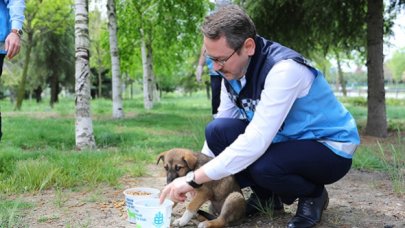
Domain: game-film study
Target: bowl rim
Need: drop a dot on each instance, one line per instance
(142, 189)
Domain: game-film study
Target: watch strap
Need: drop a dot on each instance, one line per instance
(19, 32)
(193, 184)
(191, 181)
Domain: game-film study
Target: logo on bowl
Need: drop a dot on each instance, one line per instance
(158, 220)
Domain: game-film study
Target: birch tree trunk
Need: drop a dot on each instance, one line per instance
(376, 111)
(118, 111)
(148, 79)
(84, 124)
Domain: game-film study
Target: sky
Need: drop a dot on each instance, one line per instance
(398, 40)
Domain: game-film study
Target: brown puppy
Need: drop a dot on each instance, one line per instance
(225, 195)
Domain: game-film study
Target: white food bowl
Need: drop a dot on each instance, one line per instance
(133, 194)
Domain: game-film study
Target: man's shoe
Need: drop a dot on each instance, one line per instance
(255, 204)
(309, 211)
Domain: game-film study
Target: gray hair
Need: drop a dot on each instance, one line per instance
(231, 22)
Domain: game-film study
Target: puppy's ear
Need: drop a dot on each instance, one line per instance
(161, 156)
(190, 159)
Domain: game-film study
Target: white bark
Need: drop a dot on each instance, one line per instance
(118, 111)
(84, 125)
(148, 79)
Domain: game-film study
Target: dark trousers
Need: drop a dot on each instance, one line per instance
(1, 72)
(216, 93)
(2, 56)
(292, 169)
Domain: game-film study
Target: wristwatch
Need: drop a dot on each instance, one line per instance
(19, 32)
(190, 180)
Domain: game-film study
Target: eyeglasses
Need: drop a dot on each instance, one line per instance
(219, 61)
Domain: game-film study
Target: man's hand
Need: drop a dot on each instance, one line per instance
(12, 45)
(176, 190)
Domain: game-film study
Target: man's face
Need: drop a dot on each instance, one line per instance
(228, 61)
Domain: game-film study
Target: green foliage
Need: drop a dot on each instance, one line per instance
(50, 15)
(309, 29)
(396, 65)
(100, 60)
(12, 71)
(47, 47)
(189, 84)
(318, 27)
(171, 27)
(356, 78)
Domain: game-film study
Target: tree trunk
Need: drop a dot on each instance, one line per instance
(148, 80)
(21, 87)
(341, 79)
(37, 94)
(376, 117)
(100, 81)
(118, 111)
(84, 124)
(54, 81)
(208, 89)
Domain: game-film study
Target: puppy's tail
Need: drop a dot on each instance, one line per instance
(206, 215)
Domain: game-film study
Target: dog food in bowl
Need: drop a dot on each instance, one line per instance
(133, 194)
(138, 193)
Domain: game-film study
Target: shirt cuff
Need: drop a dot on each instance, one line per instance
(16, 25)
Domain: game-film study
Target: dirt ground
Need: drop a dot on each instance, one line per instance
(360, 199)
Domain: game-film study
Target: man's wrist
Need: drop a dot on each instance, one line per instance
(190, 179)
(18, 32)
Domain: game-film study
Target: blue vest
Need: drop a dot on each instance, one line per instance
(210, 65)
(4, 25)
(316, 116)
(267, 53)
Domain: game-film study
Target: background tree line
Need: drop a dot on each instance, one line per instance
(158, 43)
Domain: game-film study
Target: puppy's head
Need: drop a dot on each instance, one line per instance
(177, 162)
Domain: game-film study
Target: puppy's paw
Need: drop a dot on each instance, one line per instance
(176, 222)
(187, 216)
(203, 225)
(179, 222)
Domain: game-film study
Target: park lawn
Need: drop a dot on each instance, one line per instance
(37, 151)
(39, 139)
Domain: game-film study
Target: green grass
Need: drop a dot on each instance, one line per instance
(9, 211)
(395, 109)
(387, 157)
(38, 147)
(37, 151)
